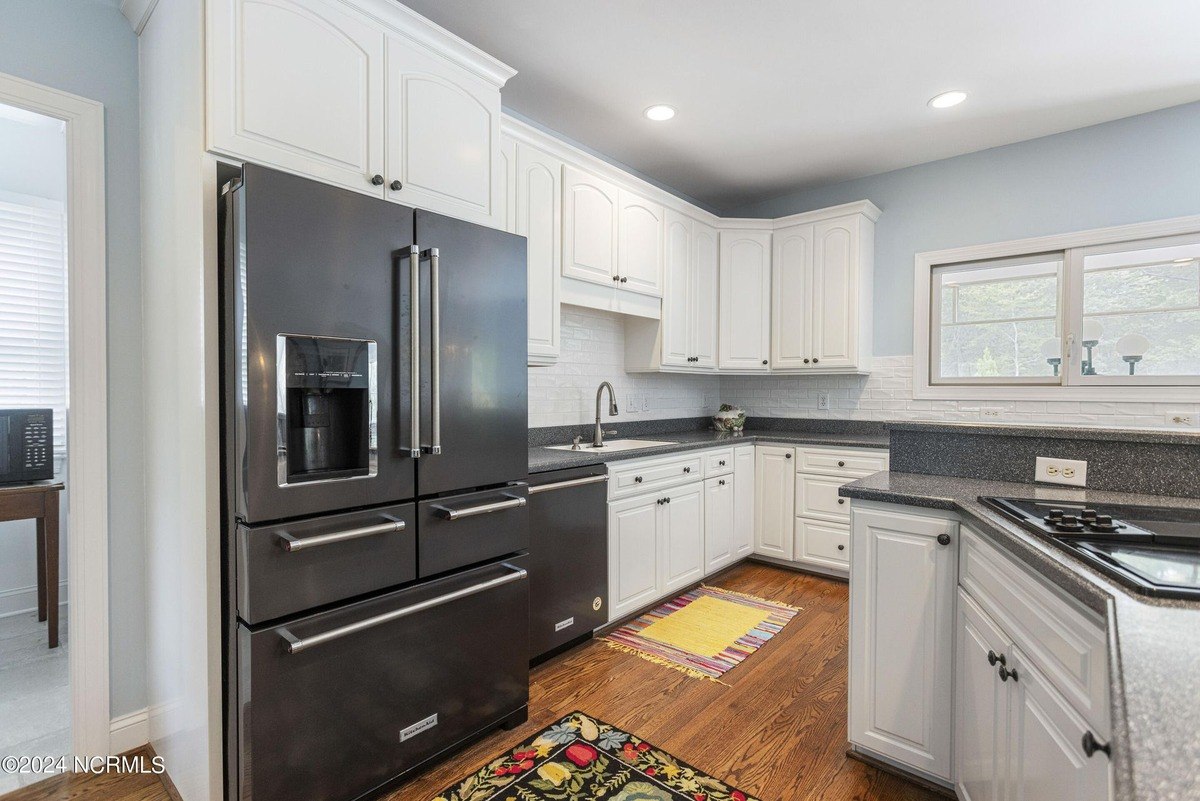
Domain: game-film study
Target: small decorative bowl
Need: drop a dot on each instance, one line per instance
(730, 419)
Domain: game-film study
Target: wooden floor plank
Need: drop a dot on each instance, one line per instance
(776, 728)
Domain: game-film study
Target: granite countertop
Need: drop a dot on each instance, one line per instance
(1154, 644)
(542, 459)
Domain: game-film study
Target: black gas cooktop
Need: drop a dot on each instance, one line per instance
(1153, 549)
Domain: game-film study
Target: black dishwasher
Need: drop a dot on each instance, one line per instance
(568, 556)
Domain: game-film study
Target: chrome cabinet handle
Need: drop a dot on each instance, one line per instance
(574, 482)
(291, 543)
(414, 289)
(513, 502)
(435, 347)
(295, 645)
(1091, 745)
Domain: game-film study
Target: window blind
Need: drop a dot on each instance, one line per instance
(33, 309)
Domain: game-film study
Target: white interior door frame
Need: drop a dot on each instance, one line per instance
(87, 406)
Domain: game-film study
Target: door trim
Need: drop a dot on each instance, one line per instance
(87, 412)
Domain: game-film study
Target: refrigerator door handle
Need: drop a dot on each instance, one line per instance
(294, 644)
(414, 304)
(435, 348)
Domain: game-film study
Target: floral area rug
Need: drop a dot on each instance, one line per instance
(583, 759)
(703, 633)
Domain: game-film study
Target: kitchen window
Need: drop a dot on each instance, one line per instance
(1105, 315)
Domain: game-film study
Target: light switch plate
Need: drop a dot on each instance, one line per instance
(1072, 472)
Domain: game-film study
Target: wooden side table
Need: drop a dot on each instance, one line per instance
(39, 501)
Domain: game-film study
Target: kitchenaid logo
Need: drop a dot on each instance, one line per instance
(418, 727)
(326, 374)
(564, 624)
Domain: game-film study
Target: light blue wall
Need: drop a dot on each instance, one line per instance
(87, 48)
(1131, 170)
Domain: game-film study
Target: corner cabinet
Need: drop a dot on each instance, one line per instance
(745, 319)
(902, 591)
(365, 95)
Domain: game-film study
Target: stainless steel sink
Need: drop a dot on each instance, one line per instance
(615, 445)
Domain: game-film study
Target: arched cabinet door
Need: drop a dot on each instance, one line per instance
(677, 292)
(298, 85)
(640, 250)
(539, 177)
(791, 298)
(589, 215)
(745, 320)
(443, 136)
(835, 292)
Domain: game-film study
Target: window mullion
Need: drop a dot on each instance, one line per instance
(1072, 315)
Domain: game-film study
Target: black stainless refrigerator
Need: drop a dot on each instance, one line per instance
(375, 460)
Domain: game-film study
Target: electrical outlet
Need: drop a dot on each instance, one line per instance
(635, 403)
(823, 400)
(1185, 419)
(1072, 472)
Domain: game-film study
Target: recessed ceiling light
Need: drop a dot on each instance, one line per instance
(948, 99)
(659, 113)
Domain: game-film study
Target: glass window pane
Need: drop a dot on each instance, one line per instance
(1141, 312)
(999, 318)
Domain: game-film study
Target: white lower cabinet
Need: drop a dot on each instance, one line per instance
(743, 500)
(775, 500)
(719, 549)
(633, 567)
(902, 588)
(682, 537)
(980, 704)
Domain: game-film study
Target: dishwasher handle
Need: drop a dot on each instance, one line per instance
(574, 482)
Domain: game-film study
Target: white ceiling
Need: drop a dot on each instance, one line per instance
(779, 95)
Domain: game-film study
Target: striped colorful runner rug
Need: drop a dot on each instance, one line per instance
(703, 633)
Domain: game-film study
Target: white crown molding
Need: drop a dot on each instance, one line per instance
(138, 12)
(864, 207)
(408, 23)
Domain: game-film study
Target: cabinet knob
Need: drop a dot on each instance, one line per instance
(624, 279)
(841, 500)
(395, 186)
(721, 463)
(616, 278)
(994, 657)
(1006, 674)
(764, 361)
(687, 469)
(841, 464)
(841, 547)
(667, 499)
(721, 482)
(1091, 745)
(943, 539)
(787, 456)
(815, 360)
(806, 361)
(637, 479)
(377, 179)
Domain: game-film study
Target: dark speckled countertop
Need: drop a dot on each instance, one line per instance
(1154, 644)
(542, 459)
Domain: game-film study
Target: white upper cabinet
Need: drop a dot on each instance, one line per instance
(745, 300)
(837, 303)
(590, 212)
(508, 184)
(538, 218)
(791, 297)
(443, 135)
(364, 94)
(677, 336)
(298, 85)
(640, 244)
(706, 256)
(821, 297)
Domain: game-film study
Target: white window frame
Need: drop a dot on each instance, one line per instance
(1166, 389)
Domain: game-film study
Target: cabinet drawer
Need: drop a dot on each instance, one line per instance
(823, 542)
(841, 461)
(817, 497)
(635, 478)
(718, 463)
(1067, 643)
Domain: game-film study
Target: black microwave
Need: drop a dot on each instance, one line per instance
(26, 445)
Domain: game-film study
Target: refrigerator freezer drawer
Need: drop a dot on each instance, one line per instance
(463, 530)
(334, 705)
(287, 568)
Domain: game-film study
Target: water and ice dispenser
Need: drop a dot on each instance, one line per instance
(327, 409)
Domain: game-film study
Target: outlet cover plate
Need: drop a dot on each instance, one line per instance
(1072, 472)
(822, 400)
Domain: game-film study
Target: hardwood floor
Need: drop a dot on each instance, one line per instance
(777, 731)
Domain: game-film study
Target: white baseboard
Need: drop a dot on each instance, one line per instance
(20, 600)
(129, 731)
